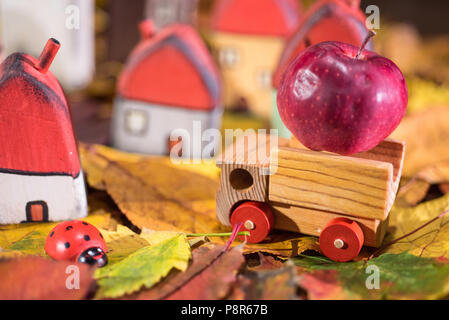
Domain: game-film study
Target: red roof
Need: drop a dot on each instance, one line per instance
(326, 20)
(173, 68)
(36, 135)
(260, 17)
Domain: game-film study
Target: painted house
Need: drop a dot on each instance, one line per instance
(26, 24)
(248, 37)
(325, 20)
(169, 83)
(40, 173)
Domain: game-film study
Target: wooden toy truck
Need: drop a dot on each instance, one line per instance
(272, 183)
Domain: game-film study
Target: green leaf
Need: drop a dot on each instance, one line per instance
(401, 276)
(144, 268)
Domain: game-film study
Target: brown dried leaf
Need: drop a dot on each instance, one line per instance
(261, 262)
(210, 276)
(155, 193)
(277, 284)
(38, 278)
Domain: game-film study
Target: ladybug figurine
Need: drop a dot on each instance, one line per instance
(77, 241)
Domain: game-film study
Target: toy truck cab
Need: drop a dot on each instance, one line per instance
(273, 183)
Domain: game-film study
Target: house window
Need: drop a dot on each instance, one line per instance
(136, 122)
(264, 79)
(229, 57)
(37, 211)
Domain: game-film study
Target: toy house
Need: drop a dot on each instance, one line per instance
(168, 83)
(40, 173)
(248, 37)
(26, 24)
(326, 20)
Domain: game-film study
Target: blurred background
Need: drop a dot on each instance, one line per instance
(413, 33)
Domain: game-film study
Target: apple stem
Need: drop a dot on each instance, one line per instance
(370, 34)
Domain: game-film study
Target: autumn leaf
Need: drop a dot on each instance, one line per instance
(401, 276)
(411, 192)
(31, 278)
(121, 243)
(432, 240)
(428, 145)
(284, 244)
(29, 238)
(424, 94)
(155, 193)
(261, 262)
(143, 268)
(210, 276)
(274, 284)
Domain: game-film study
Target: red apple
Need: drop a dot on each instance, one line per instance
(339, 98)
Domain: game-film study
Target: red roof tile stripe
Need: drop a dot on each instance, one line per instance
(36, 135)
(258, 17)
(326, 20)
(173, 68)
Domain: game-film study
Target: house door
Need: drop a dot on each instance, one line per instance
(175, 144)
(37, 211)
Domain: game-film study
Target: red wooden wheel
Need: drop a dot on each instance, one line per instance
(341, 240)
(256, 217)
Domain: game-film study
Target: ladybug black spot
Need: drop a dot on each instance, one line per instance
(85, 223)
(68, 228)
(86, 237)
(67, 245)
(101, 236)
(51, 234)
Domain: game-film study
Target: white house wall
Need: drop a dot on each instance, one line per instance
(65, 196)
(26, 25)
(162, 120)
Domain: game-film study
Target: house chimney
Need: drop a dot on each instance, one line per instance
(146, 28)
(47, 55)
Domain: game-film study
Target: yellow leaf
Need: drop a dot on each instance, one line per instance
(424, 94)
(431, 241)
(121, 243)
(144, 268)
(29, 238)
(155, 237)
(279, 245)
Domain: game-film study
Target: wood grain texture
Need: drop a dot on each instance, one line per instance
(307, 189)
(345, 185)
(312, 221)
(251, 153)
(389, 151)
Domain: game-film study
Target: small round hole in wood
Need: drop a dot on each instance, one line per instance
(241, 179)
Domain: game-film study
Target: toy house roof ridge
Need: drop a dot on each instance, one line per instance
(258, 17)
(315, 14)
(36, 135)
(183, 41)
